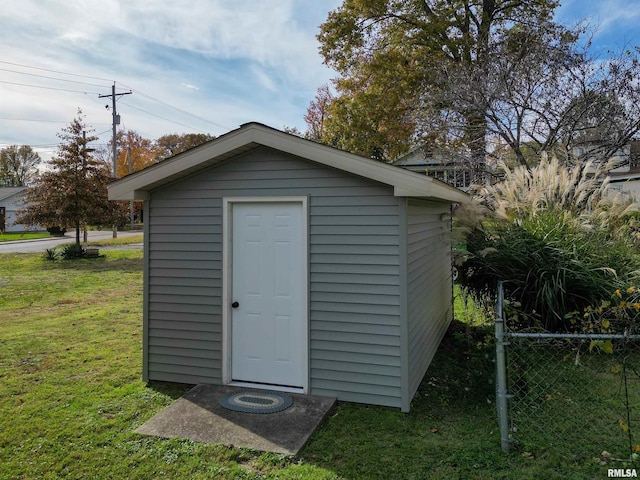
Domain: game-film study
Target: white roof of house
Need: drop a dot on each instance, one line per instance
(251, 135)
(6, 192)
(624, 177)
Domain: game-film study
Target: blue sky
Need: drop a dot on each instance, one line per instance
(194, 66)
(617, 21)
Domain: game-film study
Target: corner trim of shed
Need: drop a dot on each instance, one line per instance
(405, 394)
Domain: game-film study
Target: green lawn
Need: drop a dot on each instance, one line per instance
(71, 396)
(114, 242)
(11, 237)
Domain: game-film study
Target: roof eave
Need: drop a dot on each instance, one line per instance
(434, 192)
(137, 185)
(249, 136)
(11, 191)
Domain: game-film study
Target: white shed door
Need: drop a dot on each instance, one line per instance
(268, 320)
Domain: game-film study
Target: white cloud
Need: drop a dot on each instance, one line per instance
(263, 78)
(261, 31)
(611, 13)
(613, 19)
(225, 61)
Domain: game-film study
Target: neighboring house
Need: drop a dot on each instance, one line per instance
(437, 166)
(628, 184)
(624, 179)
(592, 145)
(275, 262)
(10, 203)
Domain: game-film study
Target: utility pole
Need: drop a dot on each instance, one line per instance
(116, 121)
(130, 170)
(85, 151)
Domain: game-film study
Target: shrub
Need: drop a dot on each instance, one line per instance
(620, 314)
(71, 251)
(50, 254)
(547, 267)
(56, 231)
(546, 233)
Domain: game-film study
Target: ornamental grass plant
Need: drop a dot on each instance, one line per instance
(557, 237)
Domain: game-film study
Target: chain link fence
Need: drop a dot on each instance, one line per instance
(579, 394)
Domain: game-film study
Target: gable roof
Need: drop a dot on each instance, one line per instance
(252, 135)
(7, 192)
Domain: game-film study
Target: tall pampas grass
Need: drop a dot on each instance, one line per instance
(581, 189)
(556, 234)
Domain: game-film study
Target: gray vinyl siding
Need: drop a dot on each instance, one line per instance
(429, 294)
(354, 272)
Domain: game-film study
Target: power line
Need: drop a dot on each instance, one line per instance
(42, 121)
(107, 80)
(93, 98)
(163, 118)
(91, 94)
(44, 145)
(176, 108)
(46, 88)
(52, 78)
(56, 71)
(49, 145)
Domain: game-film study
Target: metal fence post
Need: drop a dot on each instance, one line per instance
(501, 373)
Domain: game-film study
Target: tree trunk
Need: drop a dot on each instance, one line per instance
(520, 156)
(477, 142)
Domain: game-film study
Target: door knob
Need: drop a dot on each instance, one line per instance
(235, 305)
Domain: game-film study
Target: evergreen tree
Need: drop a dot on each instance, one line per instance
(73, 193)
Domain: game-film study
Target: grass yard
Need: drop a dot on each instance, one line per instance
(71, 396)
(114, 242)
(12, 237)
(468, 312)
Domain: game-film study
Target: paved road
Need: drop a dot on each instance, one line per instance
(40, 245)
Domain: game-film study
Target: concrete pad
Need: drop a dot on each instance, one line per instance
(199, 417)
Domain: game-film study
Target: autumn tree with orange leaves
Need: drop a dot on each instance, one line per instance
(135, 152)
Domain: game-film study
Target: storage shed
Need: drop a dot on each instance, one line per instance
(275, 262)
